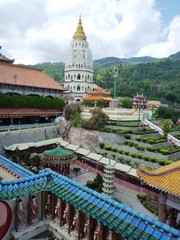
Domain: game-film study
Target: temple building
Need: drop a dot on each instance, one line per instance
(98, 95)
(78, 73)
(23, 80)
(34, 203)
(166, 179)
(59, 160)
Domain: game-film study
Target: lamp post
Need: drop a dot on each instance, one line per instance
(115, 80)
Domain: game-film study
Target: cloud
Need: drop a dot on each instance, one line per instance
(35, 31)
(169, 45)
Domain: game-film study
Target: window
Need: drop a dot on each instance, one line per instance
(78, 88)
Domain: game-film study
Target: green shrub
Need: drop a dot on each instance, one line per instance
(146, 158)
(138, 139)
(126, 152)
(121, 159)
(148, 168)
(120, 150)
(150, 149)
(128, 161)
(142, 196)
(164, 151)
(107, 147)
(131, 144)
(132, 154)
(140, 148)
(151, 208)
(136, 163)
(152, 159)
(161, 161)
(114, 149)
(139, 155)
(127, 131)
(169, 162)
(151, 141)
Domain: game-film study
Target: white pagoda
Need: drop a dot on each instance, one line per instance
(108, 180)
(78, 73)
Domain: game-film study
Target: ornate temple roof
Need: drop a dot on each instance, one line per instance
(98, 95)
(79, 34)
(58, 155)
(165, 178)
(118, 217)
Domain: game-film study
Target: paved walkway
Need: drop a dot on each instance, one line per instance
(125, 195)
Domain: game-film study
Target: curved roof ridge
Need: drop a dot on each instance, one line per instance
(160, 171)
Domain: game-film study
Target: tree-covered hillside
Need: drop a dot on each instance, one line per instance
(157, 78)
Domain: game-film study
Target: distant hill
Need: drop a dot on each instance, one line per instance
(175, 56)
(114, 61)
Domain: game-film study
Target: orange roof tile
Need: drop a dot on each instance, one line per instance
(26, 76)
(166, 178)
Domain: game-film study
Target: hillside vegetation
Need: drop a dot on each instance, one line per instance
(158, 79)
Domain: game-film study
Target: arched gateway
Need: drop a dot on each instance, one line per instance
(50, 201)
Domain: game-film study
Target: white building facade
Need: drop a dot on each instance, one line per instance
(78, 73)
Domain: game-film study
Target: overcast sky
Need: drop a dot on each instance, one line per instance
(34, 31)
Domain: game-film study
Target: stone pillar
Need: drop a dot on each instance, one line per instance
(162, 207)
(172, 217)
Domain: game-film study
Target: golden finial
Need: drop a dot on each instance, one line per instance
(79, 34)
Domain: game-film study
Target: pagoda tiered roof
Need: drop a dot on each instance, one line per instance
(116, 216)
(58, 155)
(166, 178)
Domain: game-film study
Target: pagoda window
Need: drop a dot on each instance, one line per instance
(88, 77)
(78, 88)
(85, 78)
(78, 77)
(69, 76)
(82, 77)
(79, 66)
(82, 88)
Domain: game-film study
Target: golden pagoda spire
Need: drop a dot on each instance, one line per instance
(79, 34)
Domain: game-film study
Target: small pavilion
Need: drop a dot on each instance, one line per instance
(59, 160)
(166, 179)
(139, 101)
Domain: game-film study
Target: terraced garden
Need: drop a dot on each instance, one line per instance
(138, 144)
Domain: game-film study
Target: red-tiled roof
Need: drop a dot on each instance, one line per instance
(26, 76)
